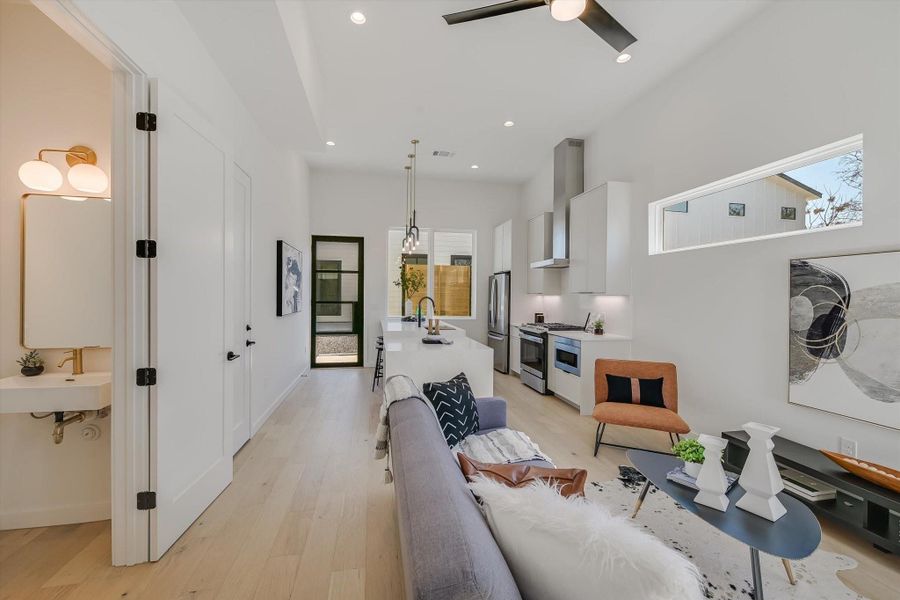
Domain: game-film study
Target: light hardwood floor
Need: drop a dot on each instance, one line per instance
(308, 515)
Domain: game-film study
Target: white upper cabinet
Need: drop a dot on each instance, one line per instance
(540, 247)
(503, 247)
(599, 244)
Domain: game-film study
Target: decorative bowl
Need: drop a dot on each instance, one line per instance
(880, 475)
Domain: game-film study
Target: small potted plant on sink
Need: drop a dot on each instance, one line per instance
(598, 326)
(32, 364)
(691, 452)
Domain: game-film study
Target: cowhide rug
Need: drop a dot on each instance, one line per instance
(723, 561)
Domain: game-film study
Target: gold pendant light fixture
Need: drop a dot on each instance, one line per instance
(411, 240)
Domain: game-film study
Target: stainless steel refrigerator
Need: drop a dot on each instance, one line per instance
(498, 319)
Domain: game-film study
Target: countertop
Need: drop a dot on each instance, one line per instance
(414, 344)
(395, 325)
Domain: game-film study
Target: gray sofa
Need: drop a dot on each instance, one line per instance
(447, 548)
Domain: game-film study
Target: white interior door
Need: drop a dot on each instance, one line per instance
(241, 286)
(190, 408)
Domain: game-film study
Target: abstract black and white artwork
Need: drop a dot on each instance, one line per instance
(845, 336)
(290, 279)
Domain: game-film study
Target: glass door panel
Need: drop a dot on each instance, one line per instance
(337, 303)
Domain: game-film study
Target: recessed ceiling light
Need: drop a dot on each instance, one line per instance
(623, 58)
(329, 143)
(357, 17)
(474, 167)
(508, 124)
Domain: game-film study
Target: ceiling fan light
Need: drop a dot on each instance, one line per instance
(40, 175)
(89, 178)
(566, 10)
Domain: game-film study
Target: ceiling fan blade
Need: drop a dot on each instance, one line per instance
(603, 24)
(494, 10)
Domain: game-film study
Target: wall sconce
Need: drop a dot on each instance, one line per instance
(84, 175)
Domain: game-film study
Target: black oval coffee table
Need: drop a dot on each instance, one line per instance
(794, 536)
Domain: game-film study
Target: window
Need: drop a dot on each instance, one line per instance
(814, 191)
(440, 267)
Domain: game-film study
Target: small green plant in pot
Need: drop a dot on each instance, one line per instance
(598, 326)
(691, 452)
(32, 364)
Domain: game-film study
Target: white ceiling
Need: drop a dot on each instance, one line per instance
(405, 73)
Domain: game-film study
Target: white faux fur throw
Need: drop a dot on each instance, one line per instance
(564, 548)
(501, 446)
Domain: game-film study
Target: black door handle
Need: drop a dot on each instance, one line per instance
(250, 342)
(232, 356)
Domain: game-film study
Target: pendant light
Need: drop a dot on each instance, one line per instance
(411, 240)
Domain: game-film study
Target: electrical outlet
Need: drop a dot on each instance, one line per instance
(848, 447)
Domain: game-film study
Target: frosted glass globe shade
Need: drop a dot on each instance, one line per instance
(88, 178)
(566, 10)
(40, 175)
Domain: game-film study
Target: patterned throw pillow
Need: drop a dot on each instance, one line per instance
(454, 403)
(632, 390)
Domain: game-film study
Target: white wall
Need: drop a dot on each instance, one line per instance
(52, 94)
(368, 204)
(157, 37)
(798, 76)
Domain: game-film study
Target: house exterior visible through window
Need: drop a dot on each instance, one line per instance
(814, 191)
(441, 267)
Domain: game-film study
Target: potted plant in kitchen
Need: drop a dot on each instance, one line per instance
(691, 452)
(32, 364)
(598, 326)
(410, 281)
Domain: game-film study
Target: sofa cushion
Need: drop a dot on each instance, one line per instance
(569, 482)
(564, 548)
(455, 405)
(633, 390)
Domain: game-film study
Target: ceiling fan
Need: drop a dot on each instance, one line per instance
(587, 11)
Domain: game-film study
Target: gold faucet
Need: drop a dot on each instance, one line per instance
(76, 358)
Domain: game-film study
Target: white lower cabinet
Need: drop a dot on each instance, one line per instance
(515, 345)
(579, 390)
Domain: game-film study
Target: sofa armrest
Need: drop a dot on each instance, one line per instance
(491, 413)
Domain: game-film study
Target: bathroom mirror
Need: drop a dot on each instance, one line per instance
(67, 272)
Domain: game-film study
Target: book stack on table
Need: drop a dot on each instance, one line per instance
(677, 475)
(805, 487)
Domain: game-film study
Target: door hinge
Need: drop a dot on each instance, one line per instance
(146, 121)
(146, 248)
(146, 500)
(146, 376)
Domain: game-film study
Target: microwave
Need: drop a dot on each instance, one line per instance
(567, 355)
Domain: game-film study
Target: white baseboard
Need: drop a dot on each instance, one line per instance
(255, 426)
(57, 515)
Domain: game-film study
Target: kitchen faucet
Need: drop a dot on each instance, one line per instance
(433, 307)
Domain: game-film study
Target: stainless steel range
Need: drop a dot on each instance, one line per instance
(535, 353)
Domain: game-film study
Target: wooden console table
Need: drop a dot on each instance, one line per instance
(869, 510)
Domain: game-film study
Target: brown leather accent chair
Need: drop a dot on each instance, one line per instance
(637, 415)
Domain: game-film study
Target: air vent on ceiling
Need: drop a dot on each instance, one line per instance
(443, 153)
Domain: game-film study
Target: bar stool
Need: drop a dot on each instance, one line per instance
(379, 362)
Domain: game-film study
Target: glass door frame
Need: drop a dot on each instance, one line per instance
(358, 312)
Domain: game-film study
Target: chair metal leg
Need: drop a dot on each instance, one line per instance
(671, 439)
(677, 437)
(598, 436)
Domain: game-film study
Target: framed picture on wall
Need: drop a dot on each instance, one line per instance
(845, 336)
(290, 279)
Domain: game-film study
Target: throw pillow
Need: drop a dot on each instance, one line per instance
(632, 390)
(563, 548)
(455, 406)
(569, 482)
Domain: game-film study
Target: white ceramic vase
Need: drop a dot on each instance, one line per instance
(711, 481)
(692, 469)
(760, 477)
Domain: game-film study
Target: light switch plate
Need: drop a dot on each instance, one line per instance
(848, 447)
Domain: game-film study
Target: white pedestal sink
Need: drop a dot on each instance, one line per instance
(52, 392)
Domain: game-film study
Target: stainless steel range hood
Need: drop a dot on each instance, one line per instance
(568, 182)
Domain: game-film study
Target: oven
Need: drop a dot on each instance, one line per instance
(533, 358)
(567, 356)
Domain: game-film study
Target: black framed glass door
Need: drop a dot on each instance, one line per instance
(337, 301)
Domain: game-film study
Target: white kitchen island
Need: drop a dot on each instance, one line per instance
(405, 354)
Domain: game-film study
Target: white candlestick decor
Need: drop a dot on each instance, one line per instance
(760, 477)
(712, 481)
